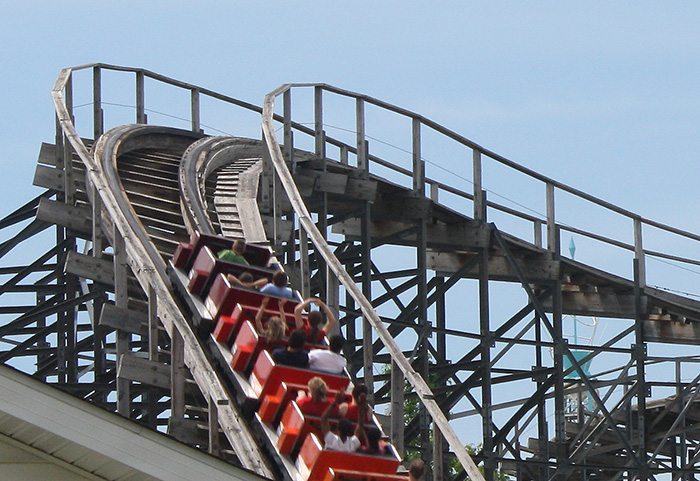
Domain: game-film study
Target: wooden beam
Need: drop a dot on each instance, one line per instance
(88, 267)
(47, 178)
(77, 218)
(47, 154)
(439, 236)
(672, 332)
(361, 189)
(144, 371)
(127, 320)
(187, 431)
(596, 304)
(447, 263)
(323, 181)
(403, 208)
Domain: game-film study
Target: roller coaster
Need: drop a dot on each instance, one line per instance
(458, 325)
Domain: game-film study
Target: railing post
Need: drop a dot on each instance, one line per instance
(140, 98)
(362, 163)
(319, 134)
(97, 112)
(479, 201)
(551, 222)
(639, 252)
(196, 126)
(418, 164)
(288, 134)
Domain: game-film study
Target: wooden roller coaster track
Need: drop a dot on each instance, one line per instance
(109, 326)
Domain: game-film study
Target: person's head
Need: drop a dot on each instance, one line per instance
(417, 469)
(373, 437)
(315, 319)
(238, 246)
(358, 390)
(279, 278)
(297, 339)
(344, 428)
(246, 277)
(318, 389)
(275, 329)
(336, 344)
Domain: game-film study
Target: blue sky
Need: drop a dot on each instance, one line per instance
(603, 96)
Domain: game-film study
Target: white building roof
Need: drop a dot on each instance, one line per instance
(46, 433)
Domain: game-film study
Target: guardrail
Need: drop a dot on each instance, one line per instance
(420, 127)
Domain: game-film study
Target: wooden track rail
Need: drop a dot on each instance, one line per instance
(148, 266)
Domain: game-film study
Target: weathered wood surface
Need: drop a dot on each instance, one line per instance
(77, 218)
(88, 267)
(126, 320)
(440, 236)
(144, 371)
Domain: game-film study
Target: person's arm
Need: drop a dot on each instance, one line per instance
(325, 425)
(259, 283)
(259, 315)
(233, 280)
(330, 318)
(280, 305)
(298, 312)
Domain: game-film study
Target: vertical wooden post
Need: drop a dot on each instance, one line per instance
(418, 164)
(486, 343)
(140, 98)
(121, 300)
(288, 134)
(639, 252)
(367, 339)
(97, 250)
(177, 375)
(639, 351)
(304, 263)
(551, 220)
(557, 323)
(69, 317)
(479, 207)
(320, 145)
(397, 408)
(333, 297)
(196, 127)
(362, 162)
(152, 352)
(440, 322)
(60, 277)
(213, 426)
(97, 112)
(319, 137)
(439, 471)
(422, 329)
